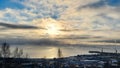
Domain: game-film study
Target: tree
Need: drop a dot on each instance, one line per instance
(6, 53)
(15, 53)
(18, 53)
(21, 53)
(0, 54)
(5, 50)
(27, 55)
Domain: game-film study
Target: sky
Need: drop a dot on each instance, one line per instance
(51, 21)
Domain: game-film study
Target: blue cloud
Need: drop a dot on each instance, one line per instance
(10, 4)
(103, 20)
(9, 17)
(31, 11)
(101, 3)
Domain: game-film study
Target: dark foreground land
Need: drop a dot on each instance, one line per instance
(99, 60)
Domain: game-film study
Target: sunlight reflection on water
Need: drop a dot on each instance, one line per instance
(51, 51)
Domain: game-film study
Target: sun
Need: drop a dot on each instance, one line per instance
(52, 29)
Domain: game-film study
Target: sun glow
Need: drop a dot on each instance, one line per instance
(53, 29)
(50, 27)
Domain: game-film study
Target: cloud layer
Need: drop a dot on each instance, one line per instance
(14, 26)
(97, 18)
(87, 14)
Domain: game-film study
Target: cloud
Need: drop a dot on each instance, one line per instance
(57, 42)
(24, 41)
(101, 3)
(69, 30)
(75, 17)
(33, 10)
(81, 37)
(39, 9)
(109, 41)
(88, 16)
(14, 26)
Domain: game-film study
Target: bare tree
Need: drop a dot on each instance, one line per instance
(18, 53)
(0, 54)
(6, 53)
(21, 53)
(27, 55)
(15, 53)
(5, 50)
